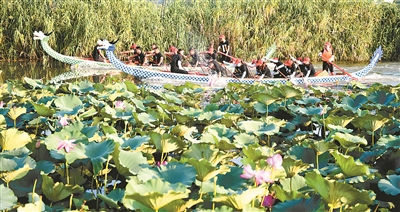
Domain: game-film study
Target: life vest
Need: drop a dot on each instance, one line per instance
(327, 54)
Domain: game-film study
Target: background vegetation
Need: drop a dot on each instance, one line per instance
(355, 28)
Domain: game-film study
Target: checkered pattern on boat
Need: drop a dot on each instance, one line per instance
(146, 73)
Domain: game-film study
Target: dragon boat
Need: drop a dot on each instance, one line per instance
(148, 74)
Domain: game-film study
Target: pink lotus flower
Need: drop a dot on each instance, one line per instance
(63, 120)
(323, 111)
(120, 104)
(275, 161)
(259, 176)
(164, 163)
(68, 145)
(1, 104)
(269, 201)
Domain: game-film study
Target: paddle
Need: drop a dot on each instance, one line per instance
(298, 67)
(338, 67)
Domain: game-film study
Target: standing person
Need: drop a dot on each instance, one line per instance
(327, 55)
(262, 70)
(157, 58)
(176, 63)
(97, 55)
(139, 58)
(224, 48)
(195, 57)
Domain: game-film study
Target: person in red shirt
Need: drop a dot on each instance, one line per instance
(327, 55)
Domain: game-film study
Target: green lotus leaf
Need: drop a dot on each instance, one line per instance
(138, 104)
(15, 112)
(221, 130)
(154, 193)
(206, 151)
(389, 141)
(34, 83)
(265, 98)
(288, 92)
(257, 153)
(321, 147)
(58, 191)
(145, 118)
(335, 128)
(3, 123)
(88, 113)
(238, 201)
(182, 205)
(295, 183)
(286, 194)
(261, 108)
(15, 174)
(67, 102)
(232, 180)
(342, 121)
(173, 98)
(308, 101)
(8, 200)
(381, 97)
(129, 162)
(308, 155)
(166, 142)
(98, 154)
(95, 102)
(81, 87)
(211, 115)
(293, 167)
(43, 110)
(173, 172)
(258, 128)
(13, 139)
(370, 122)
(112, 198)
(135, 142)
(132, 87)
(391, 185)
(205, 170)
(243, 139)
(36, 204)
(307, 111)
(350, 167)
(336, 194)
(312, 204)
(347, 140)
(353, 104)
(183, 130)
(193, 112)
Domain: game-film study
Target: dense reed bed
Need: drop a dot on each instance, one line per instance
(299, 28)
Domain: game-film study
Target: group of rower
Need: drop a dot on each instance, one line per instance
(181, 63)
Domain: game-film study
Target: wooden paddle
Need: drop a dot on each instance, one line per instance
(338, 67)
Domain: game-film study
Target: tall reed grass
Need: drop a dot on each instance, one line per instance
(354, 27)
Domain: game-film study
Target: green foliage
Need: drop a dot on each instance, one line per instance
(298, 28)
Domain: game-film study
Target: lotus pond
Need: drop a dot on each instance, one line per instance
(118, 146)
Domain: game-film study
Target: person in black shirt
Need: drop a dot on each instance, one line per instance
(139, 58)
(195, 57)
(97, 55)
(241, 70)
(176, 63)
(216, 68)
(262, 70)
(306, 68)
(157, 58)
(280, 70)
(224, 48)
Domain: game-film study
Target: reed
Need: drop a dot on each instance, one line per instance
(299, 28)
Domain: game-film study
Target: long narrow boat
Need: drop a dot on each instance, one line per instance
(148, 74)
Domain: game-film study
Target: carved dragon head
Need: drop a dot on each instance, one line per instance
(39, 35)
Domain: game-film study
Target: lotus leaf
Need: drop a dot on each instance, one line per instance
(211, 116)
(43, 110)
(58, 191)
(154, 193)
(391, 185)
(265, 99)
(113, 198)
(258, 128)
(321, 147)
(308, 101)
(173, 172)
(232, 179)
(3, 123)
(67, 102)
(353, 104)
(312, 204)
(205, 170)
(257, 153)
(381, 97)
(98, 153)
(34, 83)
(135, 142)
(13, 139)
(81, 87)
(182, 205)
(130, 86)
(145, 118)
(342, 121)
(350, 167)
(166, 142)
(293, 167)
(238, 201)
(286, 194)
(308, 155)
(347, 140)
(8, 200)
(129, 162)
(389, 141)
(243, 139)
(336, 194)
(36, 204)
(172, 98)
